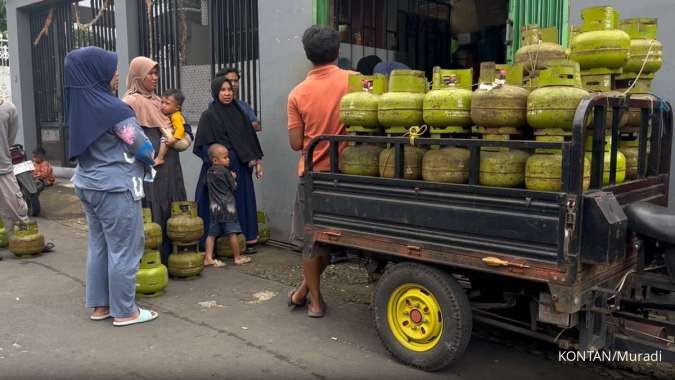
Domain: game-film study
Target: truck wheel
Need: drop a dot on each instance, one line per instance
(422, 316)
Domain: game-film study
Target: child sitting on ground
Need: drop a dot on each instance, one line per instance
(221, 183)
(43, 172)
(174, 137)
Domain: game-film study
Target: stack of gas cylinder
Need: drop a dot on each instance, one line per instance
(185, 229)
(646, 58)
(499, 111)
(358, 111)
(536, 98)
(447, 112)
(26, 239)
(152, 276)
(399, 111)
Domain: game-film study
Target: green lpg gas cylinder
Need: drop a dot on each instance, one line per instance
(555, 102)
(403, 105)
(543, 170)
(152, 231)
(449, 165)
(412, 166)
(497, 104)
(263, 228)
(359, 106)
(263, 233)
(223, 246)
(26, 239)
(3, 236)
(502, 168)
(152, 276)
(631, 149)
(184, 226)
(600, 49)
(448, 103)
(600, 45)
(620, 160)
(634, 115)
(644, 48)
(535, 53)
(361, 159)
(185, 262)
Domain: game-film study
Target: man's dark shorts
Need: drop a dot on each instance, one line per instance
(225, 228)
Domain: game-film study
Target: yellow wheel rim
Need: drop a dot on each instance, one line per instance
(414, 317)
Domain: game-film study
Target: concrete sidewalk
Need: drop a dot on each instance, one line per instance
(45, 332)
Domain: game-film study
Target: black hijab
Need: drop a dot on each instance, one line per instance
(226, 124)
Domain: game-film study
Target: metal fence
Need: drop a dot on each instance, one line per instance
(57, 29)
(158, 39)
(234, 43)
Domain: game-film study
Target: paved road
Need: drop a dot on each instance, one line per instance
(45, 333)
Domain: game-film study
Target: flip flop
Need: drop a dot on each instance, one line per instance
(99, 317)
(49, 247)
(243, 260)
(144, 315)
(216, 264)
(293, 304)
(317, 314)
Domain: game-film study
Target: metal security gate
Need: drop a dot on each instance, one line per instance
(158, 38)
(55, 31)
(234, 43)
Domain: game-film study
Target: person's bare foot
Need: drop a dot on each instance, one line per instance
(159, 161)
(125, 319)
(316, 309)
(214, 263)
(100, 312)
(242, 260)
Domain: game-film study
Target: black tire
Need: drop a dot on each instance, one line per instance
(454, 307)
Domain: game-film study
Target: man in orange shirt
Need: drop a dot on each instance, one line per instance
(314, 110)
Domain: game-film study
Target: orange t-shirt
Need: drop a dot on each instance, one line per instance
(315, 105)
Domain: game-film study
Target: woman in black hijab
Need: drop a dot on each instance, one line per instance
(224, 123)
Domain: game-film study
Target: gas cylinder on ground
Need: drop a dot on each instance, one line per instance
(496, 104)
(26, 239)
(600, 44)
(152, 276)
(535, 52)
(501, 167)
(263, 228)
(646, 52)
(620, 160)
(555, 102)
(184, 226)
(3, 236)
(152, 231)
(359, 106)
(403, 105)
(185, 261)
(223, 248)
(543, 170)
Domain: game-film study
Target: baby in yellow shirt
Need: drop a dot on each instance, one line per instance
(174, 137)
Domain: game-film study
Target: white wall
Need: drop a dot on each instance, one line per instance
(283, 65)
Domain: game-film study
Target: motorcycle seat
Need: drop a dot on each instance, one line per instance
(656, 222)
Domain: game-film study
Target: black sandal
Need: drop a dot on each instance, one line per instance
(293, 304)
(250, 250)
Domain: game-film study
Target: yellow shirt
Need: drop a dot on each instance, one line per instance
(178, 124)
